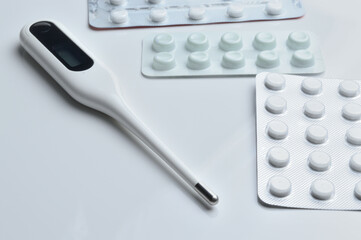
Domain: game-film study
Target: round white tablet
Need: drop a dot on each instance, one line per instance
(298, 40)
(196, 12)
(278, 157)
(233, 60)
(319, 161)
(311, 86)
(349, 89)
(275, 81)
(119, 16)
(163, 42)
(276, 104)
(277, 130)
(355, 162)
(357, 190)
(352, 111)
(274, 7)
(163, 61)
(264, 41)
(198, 61)
(353, 136)
(235, 10)
(322, 189)
(268, 59)
(197, 42)
(314, 109)
(302, 59)
(279, 186)
(158, 14)
(316, 134)
(231, 41)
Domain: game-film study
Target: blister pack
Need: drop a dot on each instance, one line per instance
(308, 142)
(230, 53)
(152, 13)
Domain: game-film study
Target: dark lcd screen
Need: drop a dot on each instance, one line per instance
(60, 45)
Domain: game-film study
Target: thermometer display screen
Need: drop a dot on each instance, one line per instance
(61, 46)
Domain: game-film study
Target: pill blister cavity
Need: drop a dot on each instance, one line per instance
(235, 10)
(303, 59)
(233, 60)
(278, 157)
(158, 14)
(353, 136)
(277, 130)
(163, 42)
(311, 86)
(319, 161)
(274, 8)
(231, 41)
(322, 189)
(357, 190)
(349, 89)
(196, 12)
(264, 41)
(118, 2)
(275, 81)
(279, 186)
(314, 109)
(352, 111)
(268, 59)
(276, 104)
(316, 134)
(163, 61)
(119, 16)
(298, 40)
(198, 61)
(355, 162)
(197, 42)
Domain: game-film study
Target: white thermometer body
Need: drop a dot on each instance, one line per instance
(89, 82)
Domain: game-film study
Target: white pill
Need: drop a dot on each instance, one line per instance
(274, 7)
(235, 10)
(267, 59)
(117, 2)
(277, 130)
(314, 109)
(316, 134)
(355, 162)
(322, 189)
(278, 157)
(349, 89)
(197, 42)
(233, 60)
(264, 41)
(196, 12)
(311, 86)
(231, 41)
(198, 61)
(352, 111)
(275, 81)
(319, 161)
(353, 136)
(357, 190)
(298, 40)
(303, 59)
(119, 16)
(158, 14)
(276, 104)
(279, 186)
(164, 61)
(163, 42)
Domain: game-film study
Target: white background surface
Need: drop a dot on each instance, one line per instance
(68, 172)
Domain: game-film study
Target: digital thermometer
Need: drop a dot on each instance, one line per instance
(89, 82)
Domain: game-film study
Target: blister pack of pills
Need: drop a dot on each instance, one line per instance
(308, 142)
(152, 13)
(230, 53)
